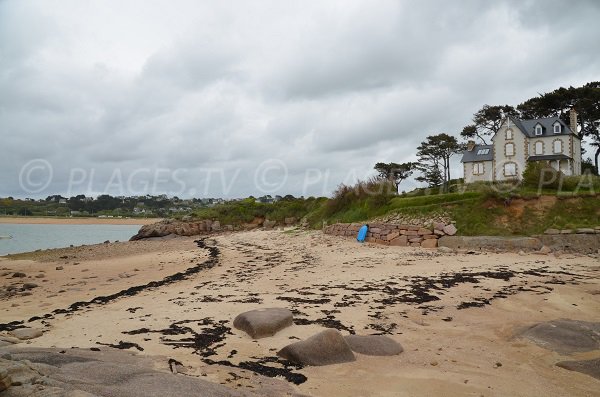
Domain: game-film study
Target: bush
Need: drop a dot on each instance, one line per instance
(540, 175)
(587, 183)
(372, 193)
(244, 211)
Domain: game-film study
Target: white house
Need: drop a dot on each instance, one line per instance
(520, 141)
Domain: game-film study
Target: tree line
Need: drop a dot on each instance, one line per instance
(434, 153)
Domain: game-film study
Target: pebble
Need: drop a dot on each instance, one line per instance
(19, 275)
(59, 267)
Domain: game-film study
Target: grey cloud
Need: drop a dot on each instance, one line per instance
(221, 87)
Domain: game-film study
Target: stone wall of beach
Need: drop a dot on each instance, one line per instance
(396, 234)
(583, 240)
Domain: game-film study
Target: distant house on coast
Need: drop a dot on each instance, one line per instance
(518, 142)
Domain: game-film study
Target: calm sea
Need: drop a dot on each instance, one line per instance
(32, 237)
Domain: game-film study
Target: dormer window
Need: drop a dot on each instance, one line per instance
(557, 128)
(538, 130)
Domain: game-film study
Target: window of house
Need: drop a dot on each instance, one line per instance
(509, 134)
(557, 128)
(477, 168)
(510, 149)
(510, 169)
(538, 130)
(539, 147)
(558, 147)
(483, 151)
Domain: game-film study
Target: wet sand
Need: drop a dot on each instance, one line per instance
(32, 220)
(456, 315)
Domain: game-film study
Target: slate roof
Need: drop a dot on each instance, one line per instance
(528, 126)
(470, 156)
(549, 157)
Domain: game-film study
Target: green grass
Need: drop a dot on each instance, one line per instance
(478, 209)
(420, 201)
(245, 211)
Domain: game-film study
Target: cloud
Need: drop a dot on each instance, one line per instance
(194, 98)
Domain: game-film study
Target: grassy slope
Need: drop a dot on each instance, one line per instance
(484, 215)
(480, 210)
(240, 212)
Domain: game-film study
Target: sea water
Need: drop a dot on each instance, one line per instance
(26, 238)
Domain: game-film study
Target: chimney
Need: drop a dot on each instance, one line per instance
(573, 120)
(470, 145)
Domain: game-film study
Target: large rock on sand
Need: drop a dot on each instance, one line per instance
(26, 333)
(84, 373)
(261, 323)
(324, 348)
(373, 345)
(565, 336)
(588, 367)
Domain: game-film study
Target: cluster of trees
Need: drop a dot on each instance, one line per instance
(435, 152)
(434, 155)
(103, 204)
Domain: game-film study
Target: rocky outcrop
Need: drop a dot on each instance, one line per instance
(261, 323)
(174, 227)
(79, 373)
(190, 227)
(325, 348)
(396, 234)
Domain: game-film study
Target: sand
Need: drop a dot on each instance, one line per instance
(456, 315)
(32, 220)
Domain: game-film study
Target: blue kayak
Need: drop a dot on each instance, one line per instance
(362, 233)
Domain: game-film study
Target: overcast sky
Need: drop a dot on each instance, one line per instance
(222, 98)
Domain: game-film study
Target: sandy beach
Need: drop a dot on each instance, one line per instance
(457, 315)
(32, 220)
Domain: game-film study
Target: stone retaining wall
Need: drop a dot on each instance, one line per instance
(583, 241)
(393, 234)
(478, 243)
(587, 243)
(578, 243)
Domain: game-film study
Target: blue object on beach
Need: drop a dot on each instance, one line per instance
(362, 233)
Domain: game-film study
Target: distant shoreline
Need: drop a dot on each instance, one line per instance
(33, 220)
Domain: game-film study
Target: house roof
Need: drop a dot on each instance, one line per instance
(549, 157)
(528, 126)
(470, 156)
